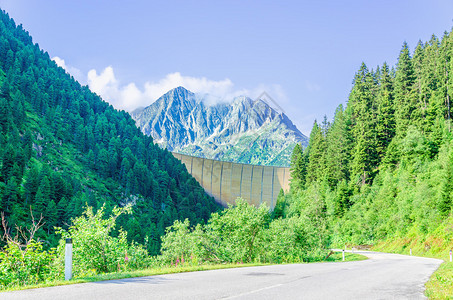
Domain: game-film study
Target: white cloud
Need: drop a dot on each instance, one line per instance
(312, 87)
(130, 97)
(76, 73)
(194, 84)
(104, 84)
(59, 61)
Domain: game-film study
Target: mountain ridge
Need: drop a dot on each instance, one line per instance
(243, 131)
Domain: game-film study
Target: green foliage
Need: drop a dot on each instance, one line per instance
(236, 234)
(298, 167)
(25, 265)
(95, 250)
(394, 137)
(440, 286)
(244, 233)
(23, 261)
(294, 239)
(62, 146)
(181, 244)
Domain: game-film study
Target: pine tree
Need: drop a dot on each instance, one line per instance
(42, 197)
(31, 183)
(298, 167)
(337, 152)
(51, 216)
(449, 76)
(433, 100)
(61, 211)
(385, 123)
(315, 150)
(404, 92)
(363, 107)
(444, 74)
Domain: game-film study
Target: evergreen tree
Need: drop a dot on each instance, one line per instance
(315, 150)
(42, 197)
(404, 92)
(61, 211)
(385, 123)
(51, 216)
(298, 167)
(337, 152)
(363, 107)
(433, 101)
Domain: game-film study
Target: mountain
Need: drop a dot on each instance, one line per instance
(62, 148)
(243, 131)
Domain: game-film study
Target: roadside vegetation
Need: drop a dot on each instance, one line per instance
(440, 285)
(236, 237)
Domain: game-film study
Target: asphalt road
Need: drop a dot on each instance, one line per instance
(383, 276)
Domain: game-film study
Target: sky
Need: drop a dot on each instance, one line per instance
(303, 54)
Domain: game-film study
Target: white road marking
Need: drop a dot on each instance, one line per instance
(254, 291)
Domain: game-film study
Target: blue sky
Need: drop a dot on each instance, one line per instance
(302, 53)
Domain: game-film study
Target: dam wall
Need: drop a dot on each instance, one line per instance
(226, 181)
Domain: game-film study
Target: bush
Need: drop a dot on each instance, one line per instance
(234, 235)
(288, 240)
(95, 251)
(244, 233)
(31, 265)
(23, 260)
(182, 245)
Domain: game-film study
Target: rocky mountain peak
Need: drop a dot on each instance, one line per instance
(243, 130)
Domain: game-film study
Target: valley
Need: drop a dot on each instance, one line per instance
(194, 181)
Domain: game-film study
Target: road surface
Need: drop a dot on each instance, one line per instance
(383, 276)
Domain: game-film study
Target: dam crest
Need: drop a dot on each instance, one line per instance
(226, 181)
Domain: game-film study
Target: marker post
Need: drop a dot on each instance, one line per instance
(68, 260)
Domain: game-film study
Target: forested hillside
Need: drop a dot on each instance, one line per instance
(62, 147)
(383, 168)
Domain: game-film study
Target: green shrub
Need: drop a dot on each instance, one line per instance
(95, 250)
(244, 233)
(181, 245)
(236, 234)
(25, 266)
(292, 240)
(23, 260)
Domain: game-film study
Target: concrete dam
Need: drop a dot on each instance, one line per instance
(226, 181)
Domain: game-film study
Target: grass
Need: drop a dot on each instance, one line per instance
(440, 285)
(336, 257)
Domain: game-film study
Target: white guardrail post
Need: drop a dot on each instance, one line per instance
(68, 260)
